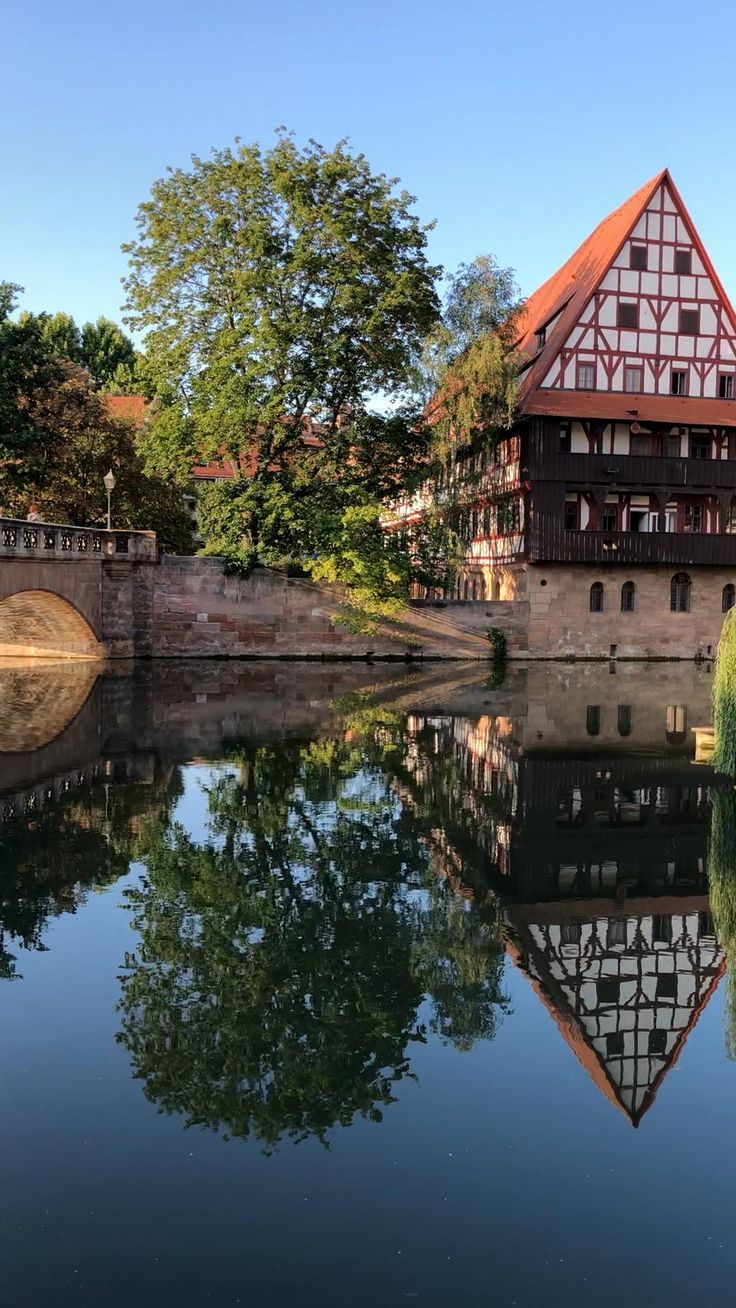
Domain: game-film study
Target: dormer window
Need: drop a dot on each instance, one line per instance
(683, 262)
(541, 338)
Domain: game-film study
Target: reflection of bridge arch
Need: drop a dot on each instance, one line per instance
(38, 701)
(41, 624)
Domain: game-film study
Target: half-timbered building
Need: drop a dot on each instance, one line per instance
(610, 512)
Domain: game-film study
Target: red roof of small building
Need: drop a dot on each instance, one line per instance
(130, 407)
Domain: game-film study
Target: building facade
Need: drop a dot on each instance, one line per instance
(610, 512)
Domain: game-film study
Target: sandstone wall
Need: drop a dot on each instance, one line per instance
(198, 612)
(561, 624)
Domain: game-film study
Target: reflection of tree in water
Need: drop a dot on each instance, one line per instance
(50, 861)
(277, 987)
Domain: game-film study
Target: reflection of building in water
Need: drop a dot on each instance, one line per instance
(602, 866)
(625, 988)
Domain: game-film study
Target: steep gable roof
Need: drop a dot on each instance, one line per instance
(564, 295)
(558, 304)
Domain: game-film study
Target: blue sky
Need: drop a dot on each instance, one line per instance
(517, 126)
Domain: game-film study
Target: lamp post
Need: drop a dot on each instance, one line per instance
(109, 480)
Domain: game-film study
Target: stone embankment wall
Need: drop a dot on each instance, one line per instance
(200, 613)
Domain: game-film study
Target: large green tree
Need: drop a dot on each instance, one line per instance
(282, 291)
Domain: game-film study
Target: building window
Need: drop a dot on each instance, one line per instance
(678, 382)
(586, 376)
(672, 447)
(572, 517)
(607, 991)
(725, 386)
(728, 597)
(675, 724)
(609, 520)
(628, 597)
(616, 934)
(641, 443)
(638, 258)
(624, 719)
(693, 519)
(689, 322)
(683, 262)
(662, 929)
(700, 447)
(657, 1043)
(570, 933)
(633, 379)
(667, 986)
(593, 719)
(614, 1044)
(680, 593)
(596, 597)
(627, 314)
(541, 338)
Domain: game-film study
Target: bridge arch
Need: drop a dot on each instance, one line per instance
(41, 624)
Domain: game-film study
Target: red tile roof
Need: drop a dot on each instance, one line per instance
(130, 407)
(631, 408)
(566, 294)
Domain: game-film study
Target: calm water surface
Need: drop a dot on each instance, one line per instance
(334, 985)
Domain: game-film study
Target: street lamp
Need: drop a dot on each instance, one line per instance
(109, 480)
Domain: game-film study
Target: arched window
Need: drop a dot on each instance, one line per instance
(728, 597)
(680, 593)
(596, 597)
(624, 719)
(676, 724)
(593, 719)
(466, 587)
(628, 597)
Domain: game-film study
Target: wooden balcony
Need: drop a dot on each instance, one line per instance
(629, 470)
(548, 542)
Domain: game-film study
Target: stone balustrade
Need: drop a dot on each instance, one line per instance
(48, 540)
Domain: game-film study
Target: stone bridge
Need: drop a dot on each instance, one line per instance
(75, 592)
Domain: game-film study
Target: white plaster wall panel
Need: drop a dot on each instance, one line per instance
(641, 228)
(575, 335)
(646, 317)
(650, 282)
(610, 281)
(650, 384)
(601, 381)
(628, 341)
(683, 235)
(697, 264)
(671, 319)
(669, 284)
(669, 228)
(668, 345)
(686, 346)
(588, 340)
(689, 287)
(653, 226)
(607, 312)
(708, 320)
(648, 342)
(667, 257)
(629, 281)
(668, 203)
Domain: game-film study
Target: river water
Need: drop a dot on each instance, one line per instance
(345, 985)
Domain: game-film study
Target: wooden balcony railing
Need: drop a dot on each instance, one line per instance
(629, 470)
(548, 542)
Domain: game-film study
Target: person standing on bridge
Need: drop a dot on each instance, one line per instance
(33, 514)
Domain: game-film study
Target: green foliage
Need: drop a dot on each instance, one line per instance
(482, 299)
(60, 442)
(107, 353)
(280, 290)
(722, 895)
(497, 643)
(282, 963)
(724, 699)
(59, 333)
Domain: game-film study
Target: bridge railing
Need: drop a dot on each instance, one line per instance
(51, 540)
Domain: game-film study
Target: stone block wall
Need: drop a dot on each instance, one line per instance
(562, 625)
(198, 612)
